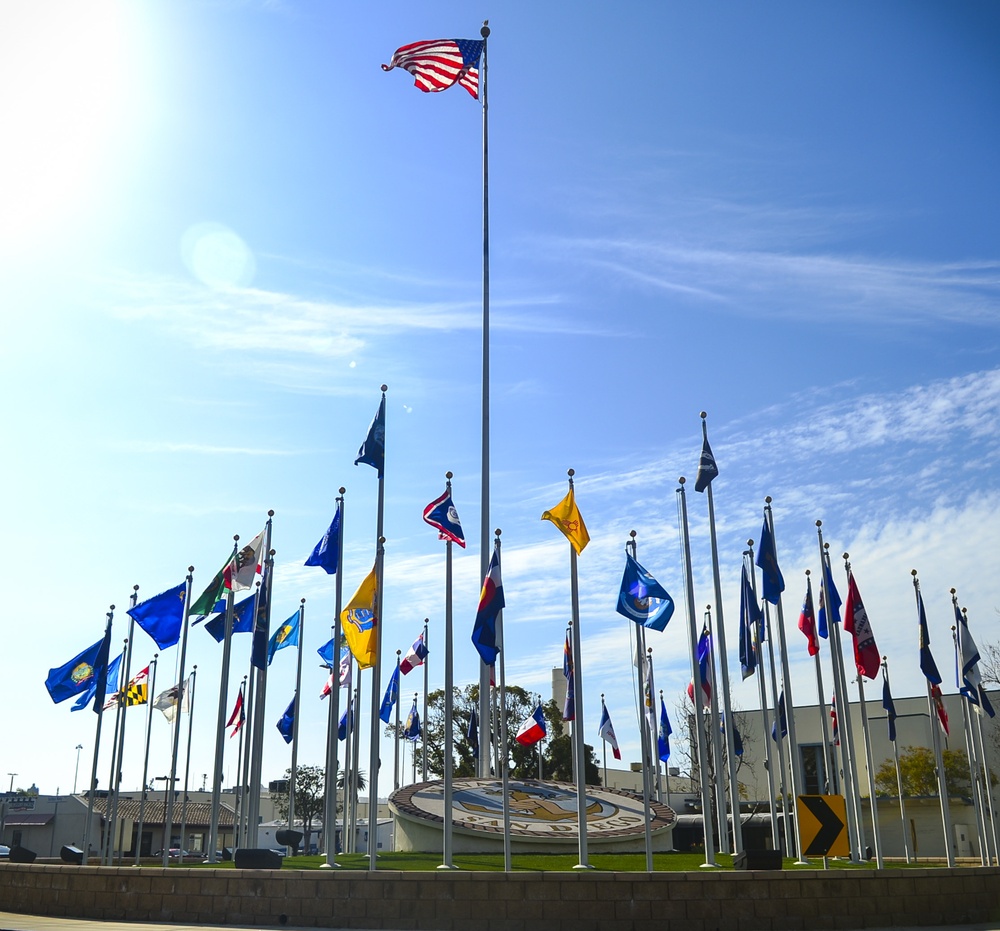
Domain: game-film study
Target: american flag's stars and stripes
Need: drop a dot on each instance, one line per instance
(438, 64)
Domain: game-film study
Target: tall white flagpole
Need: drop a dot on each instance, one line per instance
(150, 692)
(449, 688)
(484, 509)
(97, 749)
(794, 764)
(220, 721)
(333, 722)
(502, 744)
(187, 760)
(423, 742)
(848, 783)
(829, 763)
(577, 731)
(255, 750)
(646, 738)
(869, 760)
(715, 733)
(107, 841)
(749, 567)
(295, 720)
(182, 686)
(942, 782)
(782, 781)
(395, 742)
(905, 824)
(706, 795)
(727, 710)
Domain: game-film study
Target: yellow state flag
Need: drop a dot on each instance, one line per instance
(566, 516)
(359, 622)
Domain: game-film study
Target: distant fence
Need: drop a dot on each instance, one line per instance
(486, 901)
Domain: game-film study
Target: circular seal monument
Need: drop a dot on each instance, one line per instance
(543, 817)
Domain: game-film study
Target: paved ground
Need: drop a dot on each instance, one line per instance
(9, 921)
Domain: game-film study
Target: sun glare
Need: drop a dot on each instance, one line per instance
(62, 71)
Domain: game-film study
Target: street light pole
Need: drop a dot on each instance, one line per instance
(76, 771)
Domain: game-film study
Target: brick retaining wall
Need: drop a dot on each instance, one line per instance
(483, 901)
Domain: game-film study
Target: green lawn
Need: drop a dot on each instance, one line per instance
(615, 863)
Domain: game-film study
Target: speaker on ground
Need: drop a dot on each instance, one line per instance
(257, 858)
(761, 859)
(22, 855)
(71, 854)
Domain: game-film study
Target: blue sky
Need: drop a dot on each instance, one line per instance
(225, 227)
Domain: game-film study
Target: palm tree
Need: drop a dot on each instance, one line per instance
(357, 780)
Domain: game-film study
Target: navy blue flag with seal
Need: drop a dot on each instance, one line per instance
(642, 599)
(707, 468)
(326, 553)
(372, 450)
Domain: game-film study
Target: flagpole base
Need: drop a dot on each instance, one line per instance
(447, 866)
(708, 865)
(802, 863)
(583, 866)
(329, 866)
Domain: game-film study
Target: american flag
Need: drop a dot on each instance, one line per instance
(440, 63)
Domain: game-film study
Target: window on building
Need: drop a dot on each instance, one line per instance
(814, 780)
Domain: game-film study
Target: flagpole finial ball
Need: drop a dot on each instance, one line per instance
(808, 572)
(571, 472)
(190, 568)
(767, 499)
(135, 588)
(342, 489)
(399, 652)
(497, 532)
(631, 533)
(449, 475)
(913, 572)
(952, 591)
(302, 601)
(703, 415)
(485, 31)
(681, 480)
(112, 608)
(749, 542)
(270, 552)
(385, 387)
(236, 537)
(381, 541)
(270, 513)
(819, 523)
(847, 555)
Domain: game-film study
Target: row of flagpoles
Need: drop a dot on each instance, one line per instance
(641, 599)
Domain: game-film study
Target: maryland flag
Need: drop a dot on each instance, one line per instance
(360, 624)
(566, 516)
(135, 693)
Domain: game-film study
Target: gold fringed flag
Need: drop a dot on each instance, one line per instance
(566, 516)
(359, 622)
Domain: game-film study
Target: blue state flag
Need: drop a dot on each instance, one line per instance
(108, 679)
(262, 621)
(927, 665)
(286, 723)
(441, 514)
(162, 615)
(663, 737)
(642, 599)
(326, 553)
(835, 603)
(391, 696)
(772, 583)
(242, 619)
(76, 675)
(472, 734)
(412, 729)
(737, 739)
(287, 635)
(890, 709)
(750, 626)
(781, 721)
(372, 450)
(342, 727)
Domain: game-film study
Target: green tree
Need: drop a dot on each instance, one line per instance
(557, 753)
(358, 784)
(918, 773)
(310, 799)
